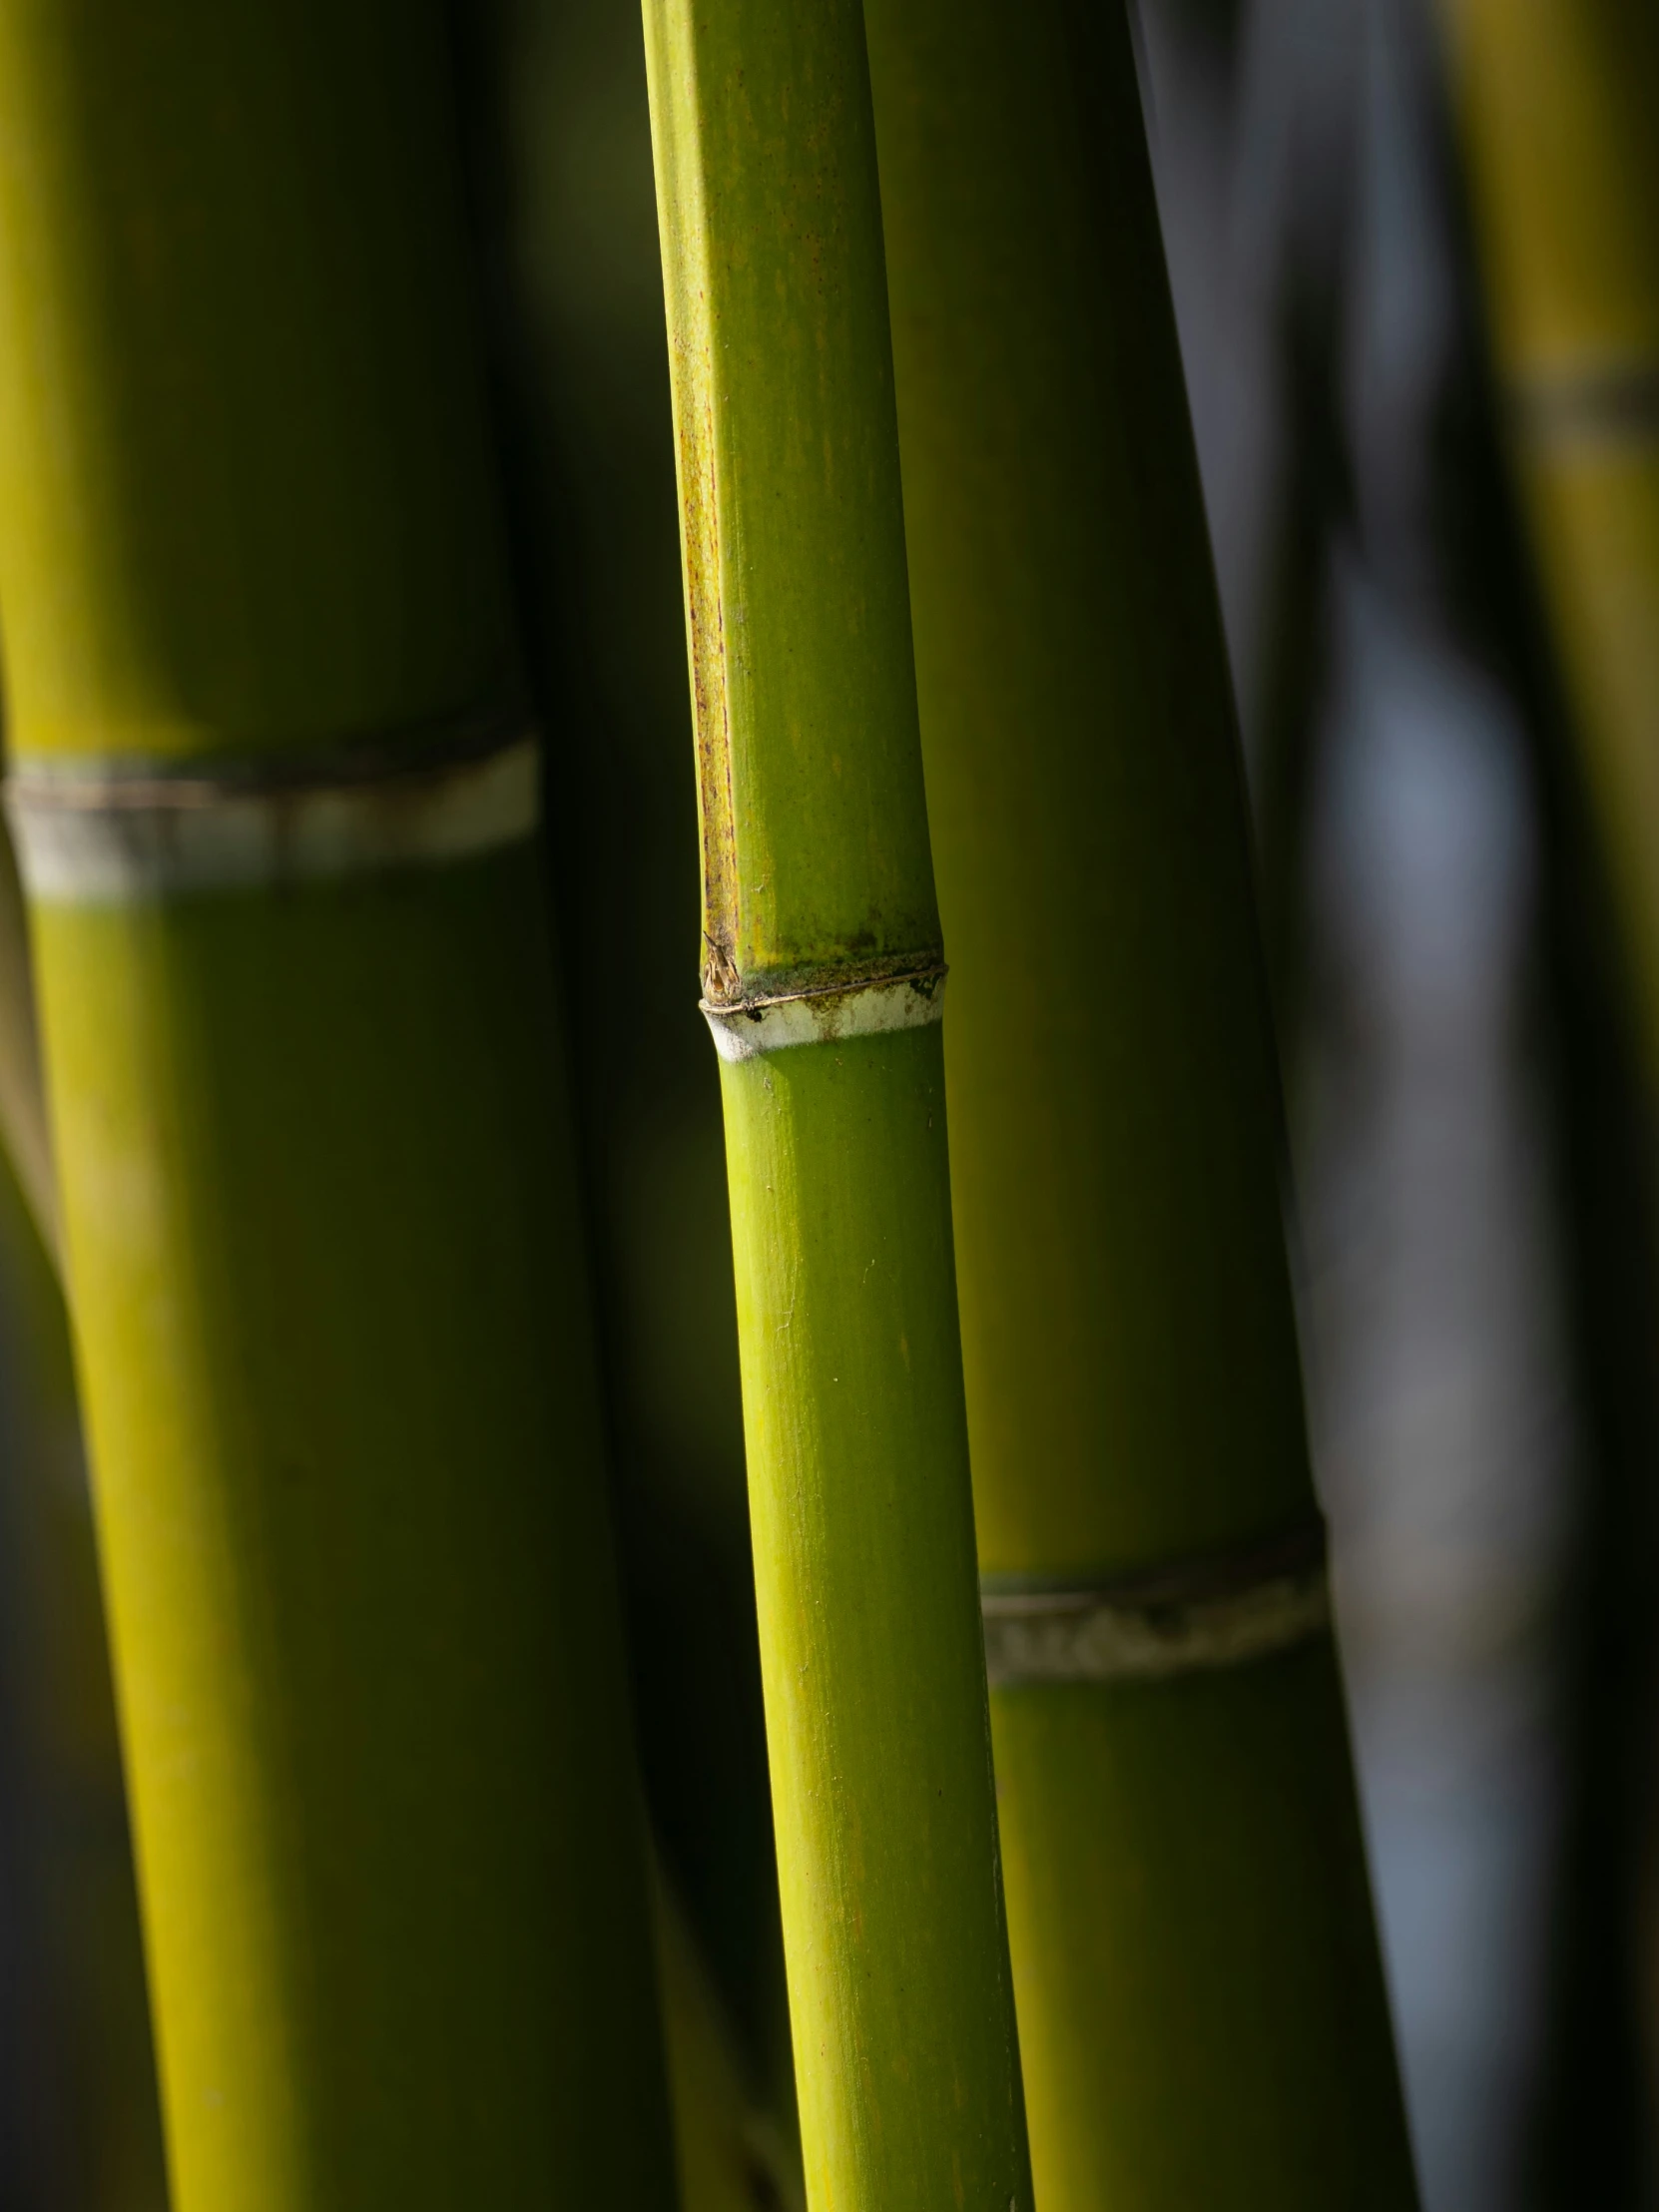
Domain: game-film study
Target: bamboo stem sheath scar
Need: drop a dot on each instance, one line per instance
(106, 833)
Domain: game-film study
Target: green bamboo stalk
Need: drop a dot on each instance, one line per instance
(822, 986)
(301, 1042)
(731, 2152)
(1200, 2008)
(1555, 100)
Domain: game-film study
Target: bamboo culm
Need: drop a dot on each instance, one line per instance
(822, 980)
(1200, 2004)
(1555, 101)
(274, 812)
(582, 377)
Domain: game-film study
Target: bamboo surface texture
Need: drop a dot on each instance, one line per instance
(817, 881)
(1556, 104)
(1200, 2008)
(300, 1045)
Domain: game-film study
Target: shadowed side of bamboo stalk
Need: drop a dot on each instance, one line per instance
(23, 1128)
(1555, 105)
(1201, 2005)
(559, 150)
(822, 985)
(1555, 101)
(274, 806)
(88, 2070)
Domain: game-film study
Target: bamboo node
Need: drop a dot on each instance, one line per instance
(119, 833)
(1593, 404)
(1218, 1610)
(826, 1013)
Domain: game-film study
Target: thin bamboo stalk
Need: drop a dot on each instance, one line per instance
(86, 2068)
(731, 2153)
(821, 983)
(1201, 2008)
(1555, 99)
(560, 153)
(23, 1127)
(297, 1000)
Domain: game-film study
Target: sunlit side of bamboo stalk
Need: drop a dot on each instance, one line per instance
(1201, 2008)
(323, 1234)
(822, 982)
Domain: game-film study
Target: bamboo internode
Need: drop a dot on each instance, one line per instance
(1200, 2008)
(820, 924)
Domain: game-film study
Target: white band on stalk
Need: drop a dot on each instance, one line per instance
(118, 834)
(1151, 1629)
(872, 1007)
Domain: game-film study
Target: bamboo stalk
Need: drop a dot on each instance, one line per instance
(1555, 100)
(23, 1128)
(560, 155)
(732, 2154)
(1201, 2008)
(822, 987)
(296, 990)
(87, 2070)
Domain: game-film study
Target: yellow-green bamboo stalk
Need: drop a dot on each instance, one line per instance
(275, 809)
(1556, 101)
(822, 985)
(1201, 2008)
(732, 2154)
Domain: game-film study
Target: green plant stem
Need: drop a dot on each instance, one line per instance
(1202, 2016)
(328, 1287)
(560, 149)
(820, 923)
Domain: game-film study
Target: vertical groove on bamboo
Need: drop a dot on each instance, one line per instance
(821, 925)
(1201, 2007)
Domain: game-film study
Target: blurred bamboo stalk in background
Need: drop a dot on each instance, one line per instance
(559, 147)
(1555, 100)
(1201, 2007)
(88, 2138)
(275, 810)
(823, 985)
